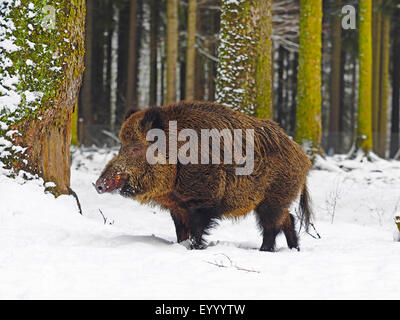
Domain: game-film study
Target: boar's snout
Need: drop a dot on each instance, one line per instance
(115, 182)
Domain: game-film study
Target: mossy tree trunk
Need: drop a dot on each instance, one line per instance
(172, 49)
(364, 138)
(308, 115)
(46, 62)
(244, 80)
(384, 84)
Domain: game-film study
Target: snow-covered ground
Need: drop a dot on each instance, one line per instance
(48, 250)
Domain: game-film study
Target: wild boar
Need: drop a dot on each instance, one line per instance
(198, 194)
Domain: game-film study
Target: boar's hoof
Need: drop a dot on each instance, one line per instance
(196, 245)
(267, 249)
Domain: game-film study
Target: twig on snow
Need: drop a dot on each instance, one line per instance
(73, 193)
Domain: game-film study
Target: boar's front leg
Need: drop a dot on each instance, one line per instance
(200, 221)
(181, 221)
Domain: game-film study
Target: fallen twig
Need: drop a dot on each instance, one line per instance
(232, 265)
(73, 193)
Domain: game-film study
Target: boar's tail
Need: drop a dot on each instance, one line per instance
(305, 208)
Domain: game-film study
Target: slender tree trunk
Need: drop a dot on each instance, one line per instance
(376, 71)
(172, 49)
(264, 60)
(123, 48)
(86, 106)
(384, 88)
(395, 128)
(42, 127)
(293, 88)
(153, 51)
(334, 118)
(364, 139)
(191, 50)
(279, 105)
(131, 93)
(308, 118)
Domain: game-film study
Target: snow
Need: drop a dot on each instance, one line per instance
(48, 250)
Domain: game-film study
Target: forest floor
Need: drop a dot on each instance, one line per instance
(119, 249)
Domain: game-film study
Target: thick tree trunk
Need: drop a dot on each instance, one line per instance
(45, 130)
(131, 88)
(308, 117)
(191, 50)
(172, 49)
(364, 134)
(244, 79)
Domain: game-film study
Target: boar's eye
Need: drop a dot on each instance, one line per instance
(136, 149)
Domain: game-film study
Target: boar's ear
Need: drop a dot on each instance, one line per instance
(130, 112)
(152, 119)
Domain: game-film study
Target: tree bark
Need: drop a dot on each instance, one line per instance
(395, 128)
(172, 50)
(154, 7)
(308, 117)
(86, 105)
(384, 85)
(334, 118)
(364, 133)
(45, 129)
(131, 88)
(244, 79)
(191, 50)
(376, 71)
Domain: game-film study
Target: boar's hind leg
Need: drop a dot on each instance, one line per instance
(290, 232)
(200, 221)
(268, 219)
(181, 221)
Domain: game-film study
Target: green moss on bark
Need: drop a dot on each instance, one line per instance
(308, 115)
(364, 139)
(47, 65)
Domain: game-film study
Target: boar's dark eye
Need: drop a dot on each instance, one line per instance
(136, 150)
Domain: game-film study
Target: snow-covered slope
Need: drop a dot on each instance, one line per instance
(48, 250)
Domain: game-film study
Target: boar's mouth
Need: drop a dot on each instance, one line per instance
(118, 183)
(128, 191)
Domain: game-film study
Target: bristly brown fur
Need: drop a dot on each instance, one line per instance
(198, 194)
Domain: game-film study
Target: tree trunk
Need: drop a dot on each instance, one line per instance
(244, 79)
(308, 117)
(384, 85)
(153, 51)
(172, 49)
(86, 105)
(131, 88)
(293, 87)
(376, 71)
(364, 133)
(395, 128)
(43, 125)
(280, 107)
(191, 50)
(334, 118)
